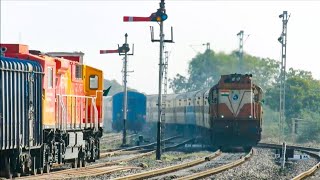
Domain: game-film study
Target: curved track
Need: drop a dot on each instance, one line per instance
(315, 152)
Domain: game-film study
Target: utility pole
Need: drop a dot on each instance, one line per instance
(159, 17)
(240, 52)
(123, 51)
(283, 40)
(161, 41)
(125, 95)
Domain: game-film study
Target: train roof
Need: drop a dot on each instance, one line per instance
(133, 93)
(16, 64)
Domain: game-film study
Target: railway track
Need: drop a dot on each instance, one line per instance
(312, 170)
(218, 169)
(158, 172)
(314, 152)
(91, 170)
(101, 168)
(170, 168)
(300, 148)
(131, 149)
(110, 139)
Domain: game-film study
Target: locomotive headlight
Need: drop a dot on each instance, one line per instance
(222, 116)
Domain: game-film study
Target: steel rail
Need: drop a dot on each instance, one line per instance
(315, 152)
(112, 139)
(169, 169)
(81, 173)
(121, 151)
(269, 145)
(312, 170)
(89, 170)
(218, 169)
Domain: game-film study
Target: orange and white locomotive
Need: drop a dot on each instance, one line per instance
(235, 111)
(229, 114)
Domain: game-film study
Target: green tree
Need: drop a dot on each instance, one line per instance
(302, 97)
(205, 70)
(309, 127)
(115, 87)
(302, 90)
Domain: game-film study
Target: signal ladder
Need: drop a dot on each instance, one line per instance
(164, 96)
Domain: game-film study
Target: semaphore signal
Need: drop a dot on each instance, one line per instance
(158, 16)
(123, 51)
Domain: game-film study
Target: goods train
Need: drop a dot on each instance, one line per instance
(50, 110)
(229, 114)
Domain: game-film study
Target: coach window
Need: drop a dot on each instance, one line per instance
(78, 71)
(93, 82)
(50, 77)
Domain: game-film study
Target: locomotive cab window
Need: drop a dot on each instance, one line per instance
(93, 82)
(50, 77)
(78, 71)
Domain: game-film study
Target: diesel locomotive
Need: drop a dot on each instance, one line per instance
(50, 111)
(229, 114)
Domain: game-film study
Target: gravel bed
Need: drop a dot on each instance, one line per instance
(263, 166)
(148, 163)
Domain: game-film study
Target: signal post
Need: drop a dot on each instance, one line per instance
(123, 51)
(159, 17)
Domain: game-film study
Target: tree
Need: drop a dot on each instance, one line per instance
(115, 87)
(205, 70)
(178, 84)
(302, 90)
(309, 127)
(302, 95)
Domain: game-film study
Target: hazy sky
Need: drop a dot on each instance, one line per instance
(89, 26)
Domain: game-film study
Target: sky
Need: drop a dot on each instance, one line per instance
(90, 26)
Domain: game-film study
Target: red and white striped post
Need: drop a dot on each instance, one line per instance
(135, 19)
(109, 51)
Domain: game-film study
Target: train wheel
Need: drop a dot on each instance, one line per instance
(34, 166)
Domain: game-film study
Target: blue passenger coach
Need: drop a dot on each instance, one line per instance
(136, 111)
